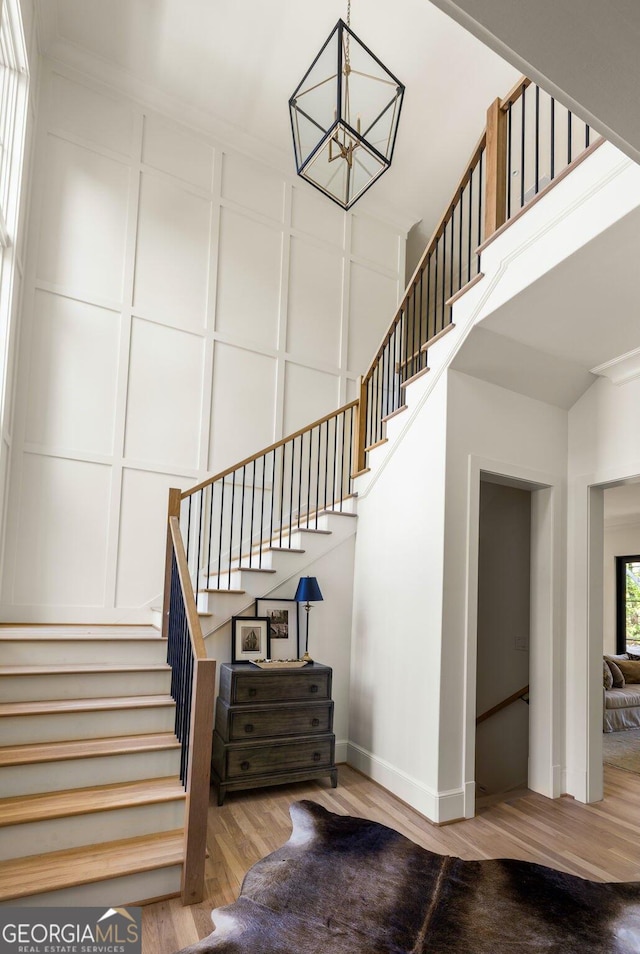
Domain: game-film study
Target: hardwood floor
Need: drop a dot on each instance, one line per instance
(599, 841)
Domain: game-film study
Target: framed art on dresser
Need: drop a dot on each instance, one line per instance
(249, 638)
(283, 627)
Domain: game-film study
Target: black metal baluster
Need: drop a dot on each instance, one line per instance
(470, 227)
(211, 489)
(569, 137)
(196, 583)
(349, 479)
(309, 478)
(282, 494)
(253, 498)
(509, 171)
(451, 258)
(326, 460)
(319, 430)
(188, 526)
(459, 204)
(522, 145)
(553, 139)
(221, 529)
(480, 194)
(537, 141)
(335, 460)
(273, 491)
(241, 519)
(293, 454)
(300, 478)
(233, 500)
(263, 495)
(587, 135)
(444, 276)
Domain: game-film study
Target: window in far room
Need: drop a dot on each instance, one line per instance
(628, 604)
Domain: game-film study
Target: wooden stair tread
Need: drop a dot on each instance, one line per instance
(35, 752)
(83, 705)
(73, 867)
(221, 590)
(84, 801)
(73, 669)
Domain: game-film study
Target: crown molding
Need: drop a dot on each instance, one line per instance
(68, 55)
(622, 369)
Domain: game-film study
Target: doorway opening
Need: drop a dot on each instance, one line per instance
(503, 638)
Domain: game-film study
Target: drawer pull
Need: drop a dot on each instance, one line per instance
(313, 688)
(253, 692)
(248, 727)
(315, 722)
(244, 766)
(316, 756)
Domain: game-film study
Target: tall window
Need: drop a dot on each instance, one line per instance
(628, 603)
(14, 88)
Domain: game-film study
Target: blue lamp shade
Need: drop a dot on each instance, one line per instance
(308, 590)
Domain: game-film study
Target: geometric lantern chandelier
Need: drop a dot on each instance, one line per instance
(344, 117)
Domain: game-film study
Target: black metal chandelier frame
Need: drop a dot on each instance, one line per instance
(341, 136)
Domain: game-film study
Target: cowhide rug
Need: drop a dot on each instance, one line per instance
(344, 885)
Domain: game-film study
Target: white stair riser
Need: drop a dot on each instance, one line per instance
(55, 834)
(289, 566)
(118, 892)
(75, 651)
(82, 773)
(61, 726)
(31, 688)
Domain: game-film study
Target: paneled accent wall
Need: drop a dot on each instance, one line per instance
(185, 305)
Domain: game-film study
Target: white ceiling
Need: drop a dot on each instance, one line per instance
(622, 503)
(545, 341)
(583, 51)
(231, 65)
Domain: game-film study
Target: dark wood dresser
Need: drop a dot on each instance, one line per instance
(272, 727)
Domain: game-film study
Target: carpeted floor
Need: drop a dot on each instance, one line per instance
(622, 749)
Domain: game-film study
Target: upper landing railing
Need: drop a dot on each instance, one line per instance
(230, 521)
(529, 141)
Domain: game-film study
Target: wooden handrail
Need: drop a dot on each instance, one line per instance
(267, 450)
(424, 260)
(193, 620)
(515, 92)
(200, 735)
(502, 705)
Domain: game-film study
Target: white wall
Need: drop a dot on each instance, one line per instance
(397, 617)
(185, 306)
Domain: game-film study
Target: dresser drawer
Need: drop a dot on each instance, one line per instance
(236, 723)
(280, 687)
(245, 761)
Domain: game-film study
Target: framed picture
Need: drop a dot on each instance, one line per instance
(249, 638)
(283, 627)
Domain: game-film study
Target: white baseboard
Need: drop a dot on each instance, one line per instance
(438, 807)
(341, 751)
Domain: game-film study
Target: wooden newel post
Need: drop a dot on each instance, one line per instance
(361, 427)
(198, 782)
(175, 497)
(496, 165)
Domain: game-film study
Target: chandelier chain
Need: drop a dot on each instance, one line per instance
(347, 51)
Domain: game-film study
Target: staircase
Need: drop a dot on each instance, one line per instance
(92, 805)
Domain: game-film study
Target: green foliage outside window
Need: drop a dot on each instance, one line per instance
(632, 604)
